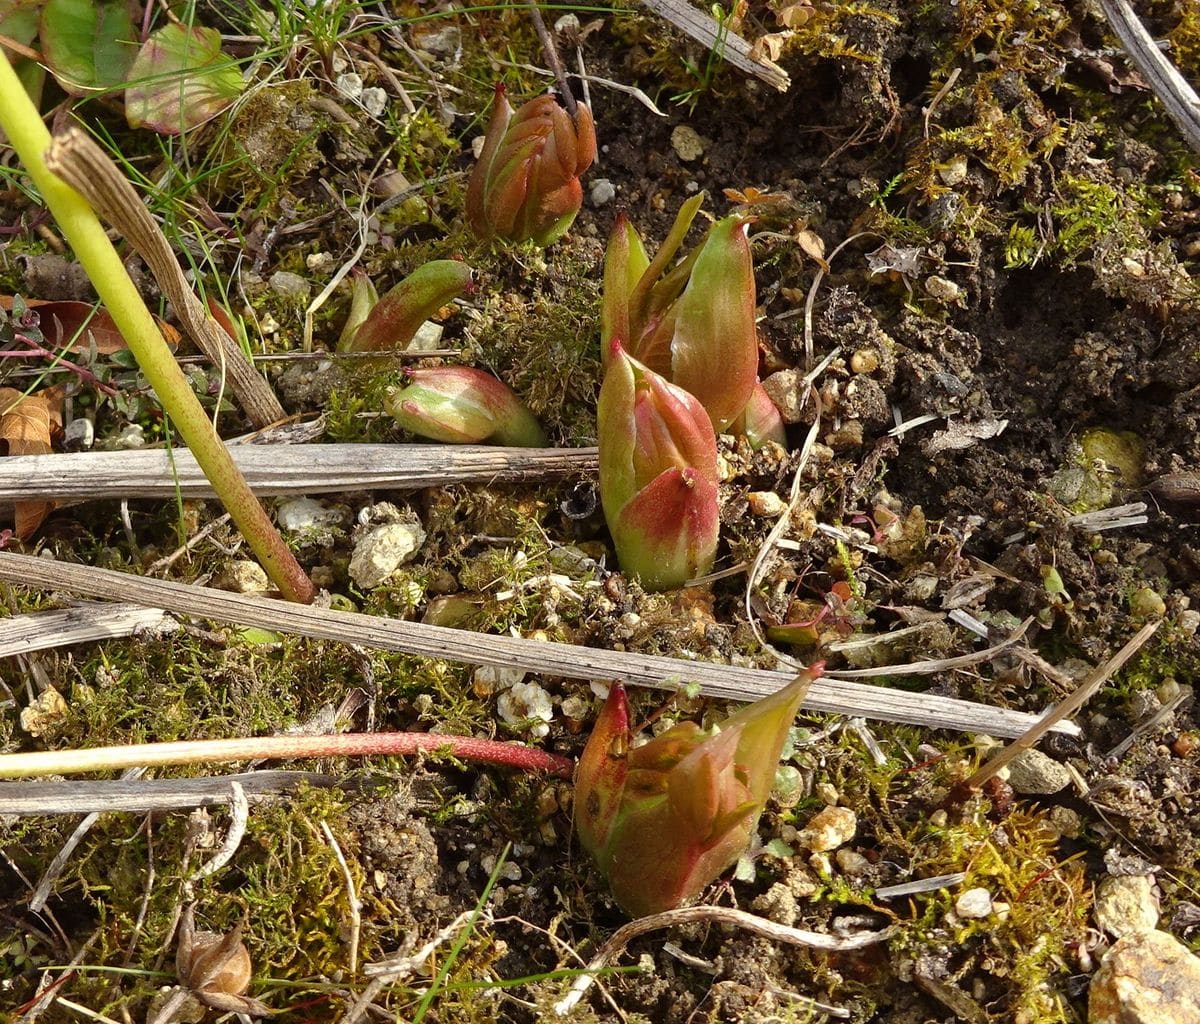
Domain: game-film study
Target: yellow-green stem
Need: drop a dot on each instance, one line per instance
(28, 136)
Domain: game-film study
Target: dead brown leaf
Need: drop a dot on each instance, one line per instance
(60, 321)
(27, 423)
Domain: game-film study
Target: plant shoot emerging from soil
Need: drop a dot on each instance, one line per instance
(664, 819)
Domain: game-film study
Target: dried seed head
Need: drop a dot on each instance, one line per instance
(210, 964)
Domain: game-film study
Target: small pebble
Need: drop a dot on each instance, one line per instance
(1034, 773)
(942, 289)
(526, 703)
(767, 504)
(381, 550)
(306, 518)
(828, 829)
(602, 192)
(953, 171)
(374, 100)
(784, 389)
(427, 337)
(244, 577)
(687, 143)
(350, 85)
(850, 862)
(1146, 978)
(1126, 904)
(79, 435)
(287, 285)
(973, 904)
(131, 436)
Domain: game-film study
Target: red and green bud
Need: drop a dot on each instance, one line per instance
(694, 323)
(526, 186)
(664, 819)
(658, 475)
(393, 320)
(462, 405)
(760, 421)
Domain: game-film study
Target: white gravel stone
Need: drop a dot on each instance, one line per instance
(1035, 773)
(79, 435)
(489, 679)
(374, 100)
(828, 829)
(131, 436)
(973, 904)
(309, 520)
(381, 550)
(1126, 904)
(602, 192)
(526, 702)
(245, 577)
(427, 338)
(350, 85)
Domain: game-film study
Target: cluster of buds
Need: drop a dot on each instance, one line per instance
(658, 474)
(664, 819)
(685, 332)
(463, 405)
(525, 186)
(692, 323)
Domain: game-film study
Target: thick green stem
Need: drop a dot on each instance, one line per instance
(28, 136)
(466, 748)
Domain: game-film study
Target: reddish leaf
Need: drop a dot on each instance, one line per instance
(61, 321)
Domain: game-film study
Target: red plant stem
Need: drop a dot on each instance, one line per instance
(33, 349)
(354, 744)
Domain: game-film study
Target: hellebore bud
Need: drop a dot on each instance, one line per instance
(525, 186)
(391, 322)
(693, 324)
(658, 475)
(760, 421)
(664, 819)
(462, 405)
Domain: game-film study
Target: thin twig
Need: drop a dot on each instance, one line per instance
(150, 796)
(716, 915)
(387, 971)
(727, 682)
(1176, 94)
(273, 470)
(553, 59)
(1073, 703)
(75, 158)
(707, 31)
(80, 624)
